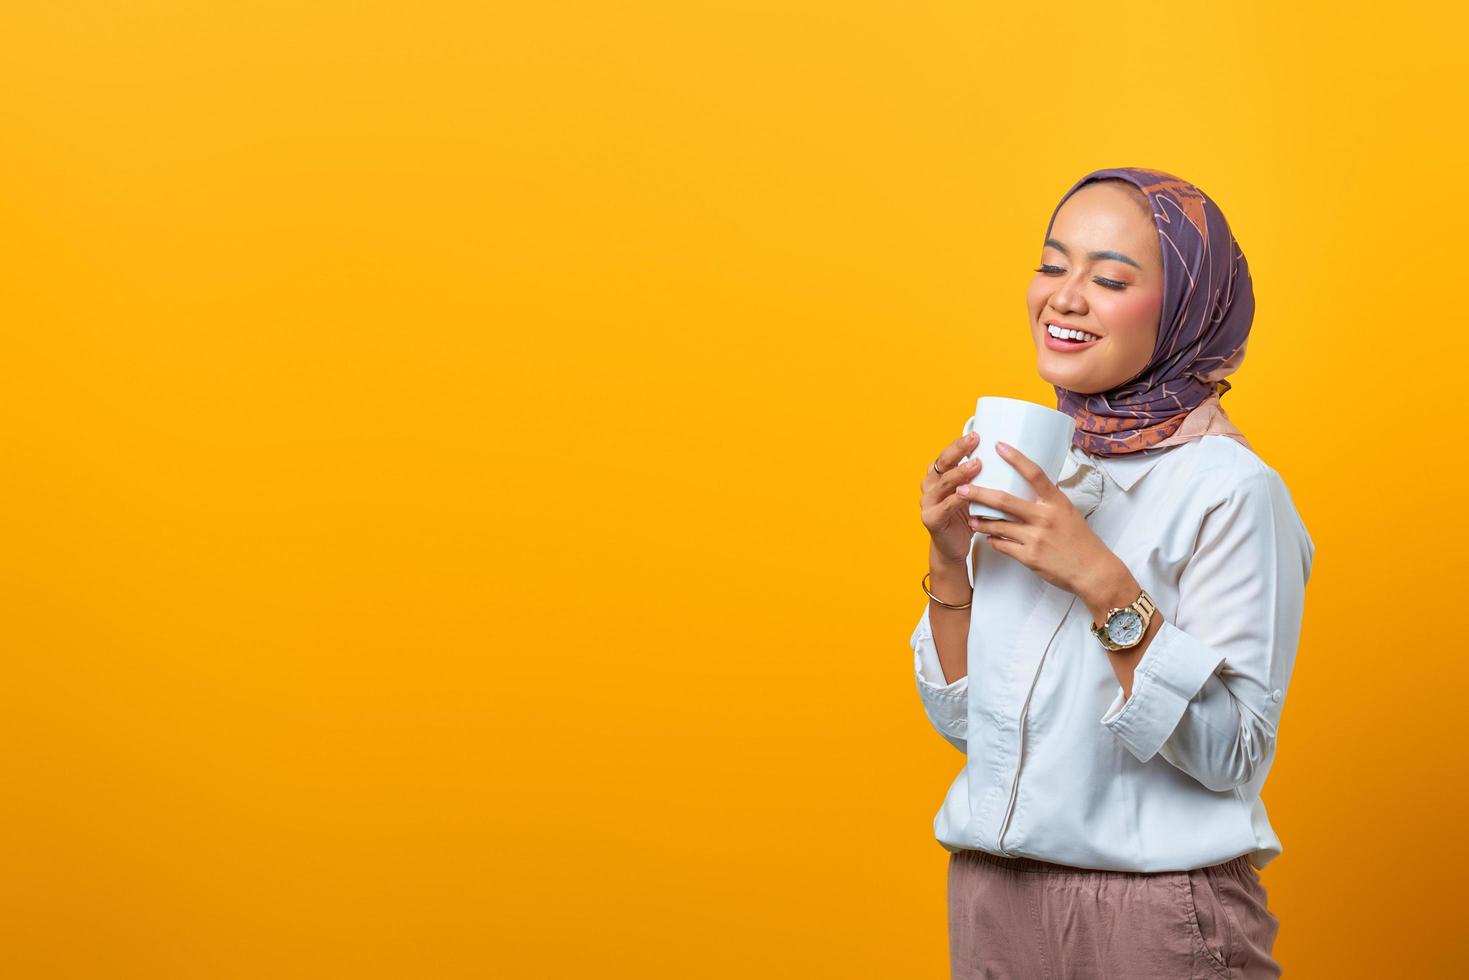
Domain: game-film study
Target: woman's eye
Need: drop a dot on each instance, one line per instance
(1109, 283)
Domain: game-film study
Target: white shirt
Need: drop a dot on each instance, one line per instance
(1061, 768)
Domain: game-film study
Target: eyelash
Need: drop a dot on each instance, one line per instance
(1109, 283)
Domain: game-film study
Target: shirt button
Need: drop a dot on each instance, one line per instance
(1275, 695)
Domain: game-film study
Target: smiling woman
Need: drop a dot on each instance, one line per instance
(1131, 631)
(1101, 277)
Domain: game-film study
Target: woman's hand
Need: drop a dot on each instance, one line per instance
(944, 512)
(1050, 536)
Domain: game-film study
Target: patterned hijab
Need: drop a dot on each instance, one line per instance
(1208, 304)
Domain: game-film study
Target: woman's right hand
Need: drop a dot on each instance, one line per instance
(945, 513)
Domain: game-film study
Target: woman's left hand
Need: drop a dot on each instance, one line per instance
(1049, 536)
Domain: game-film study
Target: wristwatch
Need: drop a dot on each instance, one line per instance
(1127, 626)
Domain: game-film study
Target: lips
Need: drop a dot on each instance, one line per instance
(1066, 346)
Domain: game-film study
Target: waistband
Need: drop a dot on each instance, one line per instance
(1237, 866)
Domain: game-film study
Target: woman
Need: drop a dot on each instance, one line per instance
(1130, 632)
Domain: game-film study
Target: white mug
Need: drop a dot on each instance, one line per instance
(1042, 434)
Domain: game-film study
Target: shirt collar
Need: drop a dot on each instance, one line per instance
(1124, 470)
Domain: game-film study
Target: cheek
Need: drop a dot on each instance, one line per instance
(1134, 319)
(1035, 296)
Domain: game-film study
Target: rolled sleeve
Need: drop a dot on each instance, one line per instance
(1172, 671)
(1207, 692)
(945, 703)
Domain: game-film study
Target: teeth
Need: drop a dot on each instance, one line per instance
(1056, 331)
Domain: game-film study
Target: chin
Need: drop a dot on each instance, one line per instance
(1073, 376)
(1070, 380)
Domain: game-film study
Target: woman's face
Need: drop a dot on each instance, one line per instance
(1101, 273)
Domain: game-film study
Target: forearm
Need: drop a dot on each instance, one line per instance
(949, 580)
(1111, 591)
(1239, 602)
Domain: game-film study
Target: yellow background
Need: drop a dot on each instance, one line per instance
(460, 465)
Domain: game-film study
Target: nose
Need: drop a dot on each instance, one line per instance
(1068, 297)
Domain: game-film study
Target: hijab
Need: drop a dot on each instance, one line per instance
(1208, 305)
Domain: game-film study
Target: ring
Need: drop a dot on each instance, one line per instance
(936, 467)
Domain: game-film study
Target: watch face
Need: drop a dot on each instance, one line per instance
(1125, 627)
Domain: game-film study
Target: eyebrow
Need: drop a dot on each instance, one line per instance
(1105, 254)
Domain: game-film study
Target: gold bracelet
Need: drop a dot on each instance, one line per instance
(947, 605)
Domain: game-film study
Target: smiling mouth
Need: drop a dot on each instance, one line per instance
(1064, 343)
(1069, 335)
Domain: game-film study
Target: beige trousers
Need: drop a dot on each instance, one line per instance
(1021, 919)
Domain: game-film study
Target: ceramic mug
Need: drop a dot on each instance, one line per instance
(1042, 434)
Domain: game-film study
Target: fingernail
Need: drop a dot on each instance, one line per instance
(964, 490)
(1003, 447)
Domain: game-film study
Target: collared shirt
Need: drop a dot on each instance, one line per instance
(1060, 766)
